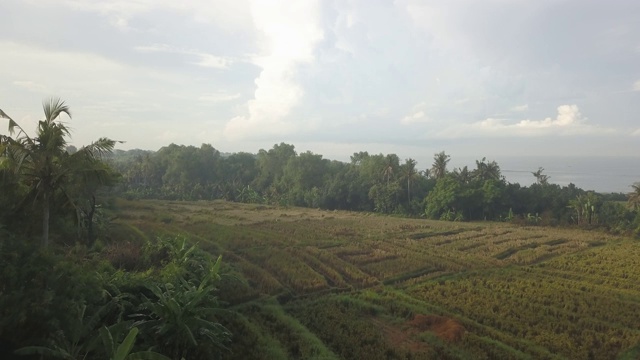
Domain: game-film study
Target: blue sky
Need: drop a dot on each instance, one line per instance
(473, 78)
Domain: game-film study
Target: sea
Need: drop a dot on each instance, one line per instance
(604, 174)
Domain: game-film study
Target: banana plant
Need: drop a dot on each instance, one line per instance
(180, 315)
(123, 350)
(75, 343)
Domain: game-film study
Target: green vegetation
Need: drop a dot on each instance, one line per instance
(376, 183)
(142, 278)
(69, 301)
(325, 284)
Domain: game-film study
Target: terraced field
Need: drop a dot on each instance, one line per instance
(318, 284)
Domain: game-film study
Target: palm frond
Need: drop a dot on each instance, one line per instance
(53, 108)
(99, 148)
(12, 124)
(4, 115)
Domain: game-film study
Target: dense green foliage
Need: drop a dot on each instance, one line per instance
(60, 305)
(41, 169)
(380, 183)
(66, 301)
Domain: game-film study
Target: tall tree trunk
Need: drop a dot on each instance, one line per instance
(45, 221)
(92, 211)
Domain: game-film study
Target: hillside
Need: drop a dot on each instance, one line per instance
(320, 284)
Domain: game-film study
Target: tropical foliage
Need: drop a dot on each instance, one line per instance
(377, 183)
(42, 165)
(143, 279)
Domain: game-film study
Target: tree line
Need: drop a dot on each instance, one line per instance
(42, 175)
(368, 182)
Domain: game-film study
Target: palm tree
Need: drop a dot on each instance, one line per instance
(487, 170)
(541, 178)
(463, 175)
(634, 197)
(440, 161)
(390, 163)
(409, 172)
(43, 162)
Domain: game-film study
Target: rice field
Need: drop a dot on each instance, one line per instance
(327, 284)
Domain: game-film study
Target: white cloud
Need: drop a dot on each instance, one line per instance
(569, 121)
(31, 86)
(568, 116)
(228, 14)
(103, 94)
(636, 86)
(417, 117)
(291, 31)
(218, 97)
(204, 59)
(520, 108)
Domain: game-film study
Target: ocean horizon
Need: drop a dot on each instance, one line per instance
(605, 174)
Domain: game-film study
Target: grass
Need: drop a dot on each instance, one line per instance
(331, 284)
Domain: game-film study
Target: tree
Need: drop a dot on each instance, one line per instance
(271, 165)
(42, 162)
(463, 175)
(440, 161)
(410, 174)
(384, 196)
(91, 176)
(487, 170)
(634, 197)
(444, 197)
(391, 162)
(541, 178)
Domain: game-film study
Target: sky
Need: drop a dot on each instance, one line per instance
(490, 78)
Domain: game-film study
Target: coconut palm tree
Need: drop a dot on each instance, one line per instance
(487, 170)
(634, 197)
(440, 161)
(541, 178)
(390, 164)
(42, 161)
(463, 175)
(409, 172)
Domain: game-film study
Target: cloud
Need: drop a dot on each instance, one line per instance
(636, 86)
(568, 121)
(32, 86)
(103, 94)
(204, 59)
(290, 30)
(520, 108)
(218, 97)
(415, 118)
(228, 14)
(568, 116)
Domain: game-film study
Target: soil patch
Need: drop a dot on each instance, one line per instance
(445, 328)
(404, 335)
